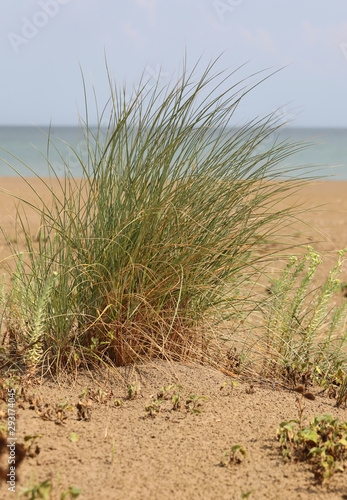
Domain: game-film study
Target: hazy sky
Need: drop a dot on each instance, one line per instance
(43, 42)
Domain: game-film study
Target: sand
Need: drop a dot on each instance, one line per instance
(121, 454)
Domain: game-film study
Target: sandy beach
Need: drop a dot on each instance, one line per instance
(121, 454)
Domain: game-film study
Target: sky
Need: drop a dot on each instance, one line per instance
(45, 42)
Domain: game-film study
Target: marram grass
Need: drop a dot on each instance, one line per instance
(160, 240)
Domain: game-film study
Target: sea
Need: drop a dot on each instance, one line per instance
(23, 151)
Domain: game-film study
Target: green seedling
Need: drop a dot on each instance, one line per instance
(84, 409)
(166, 392)
(176, 398)
(83, 393)
(234, 455)
(100, 396)
(133, 390)
(36, 491)
(334, 384)
(230, 385)
(323, 444)
(342, 393)
(45, 491)
(74, 437)
(193, 402)
(94, 344)
(30, 447)
(173, 392)
(64, 405)
(154, 408)
(60, 410)
(117, 402)
(246, 494)
(71, 492)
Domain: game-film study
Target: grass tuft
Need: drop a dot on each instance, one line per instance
(160, 240)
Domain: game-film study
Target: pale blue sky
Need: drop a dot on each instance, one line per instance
(43, 41)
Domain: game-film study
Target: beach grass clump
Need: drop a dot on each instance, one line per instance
(160, 239)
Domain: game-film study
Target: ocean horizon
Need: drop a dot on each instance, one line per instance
(23, 151)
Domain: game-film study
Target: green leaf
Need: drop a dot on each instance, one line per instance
(83, 393)
(72, 492)
(238, 447)
(32, 437)
(74, 437)
(309, 435)
(246, 494)
(290, 426)
(315, 451)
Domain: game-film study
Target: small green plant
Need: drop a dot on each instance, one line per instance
(31, 448)
(225, 386)
(38, 491)
(46, 491)
(246, 494)
(60, 410)
(341, 396)
(172, 392)
(177, 397)
(84, 409)
(234, 455)
(100, 396)
(84, 393)
(305, 334)
(193, 402)
(71, 492)
(74, 438)
(26, 312)
(153, 409)
(333, 383)
(323, 444)
(133, 390)
(164, 393)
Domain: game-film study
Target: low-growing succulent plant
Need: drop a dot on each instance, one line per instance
(323, 443)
